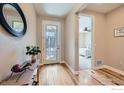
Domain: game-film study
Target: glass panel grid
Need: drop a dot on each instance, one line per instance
(51, 42)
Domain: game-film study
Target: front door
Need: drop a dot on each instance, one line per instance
(51, 42)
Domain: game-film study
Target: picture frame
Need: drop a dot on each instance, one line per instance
(119, 32)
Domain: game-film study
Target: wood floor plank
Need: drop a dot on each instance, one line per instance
(55, 75)
(101, 78)
(59, 74)
(114, 73)
(112, 78)
(71, 74)
(85, 78)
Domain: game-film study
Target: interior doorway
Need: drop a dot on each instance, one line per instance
(85, 42)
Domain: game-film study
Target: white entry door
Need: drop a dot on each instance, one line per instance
(51, 42)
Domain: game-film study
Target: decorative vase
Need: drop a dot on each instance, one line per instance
(33, 59)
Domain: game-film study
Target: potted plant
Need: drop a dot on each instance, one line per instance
(33, 50)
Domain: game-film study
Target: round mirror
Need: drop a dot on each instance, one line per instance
(12, 19)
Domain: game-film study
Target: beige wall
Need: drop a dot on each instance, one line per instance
(98, 39)
(115, 46)
(69, 40)
(107, 47)
(39, 33)
(13, 49)
(71, 37)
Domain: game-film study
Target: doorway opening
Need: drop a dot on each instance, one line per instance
(85, 42)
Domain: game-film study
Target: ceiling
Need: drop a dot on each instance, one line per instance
(103, 7)
(62, 9)
(53, 9)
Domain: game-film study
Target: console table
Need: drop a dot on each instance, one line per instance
(28, 78)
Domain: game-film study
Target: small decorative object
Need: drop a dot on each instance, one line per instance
(33, 50)
(119, 32)
(87, 29)
(35, 83)
(17, 68)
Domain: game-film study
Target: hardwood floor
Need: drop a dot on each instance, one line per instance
(110, 77)
(59, 74)
(85, 78)
(54, 74)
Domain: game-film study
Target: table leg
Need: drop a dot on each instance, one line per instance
(38, 71)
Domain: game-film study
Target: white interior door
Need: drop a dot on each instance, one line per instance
(51, 42)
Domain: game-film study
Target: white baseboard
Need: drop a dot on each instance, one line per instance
(62, 61)
(111, 68)
(76, 72)
(71, 69)
(115, 70)
(99, 67)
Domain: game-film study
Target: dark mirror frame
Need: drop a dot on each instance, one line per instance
(6, 25)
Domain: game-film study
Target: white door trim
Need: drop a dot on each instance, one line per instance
(92, 41)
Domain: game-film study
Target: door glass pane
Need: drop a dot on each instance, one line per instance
(51, 42)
